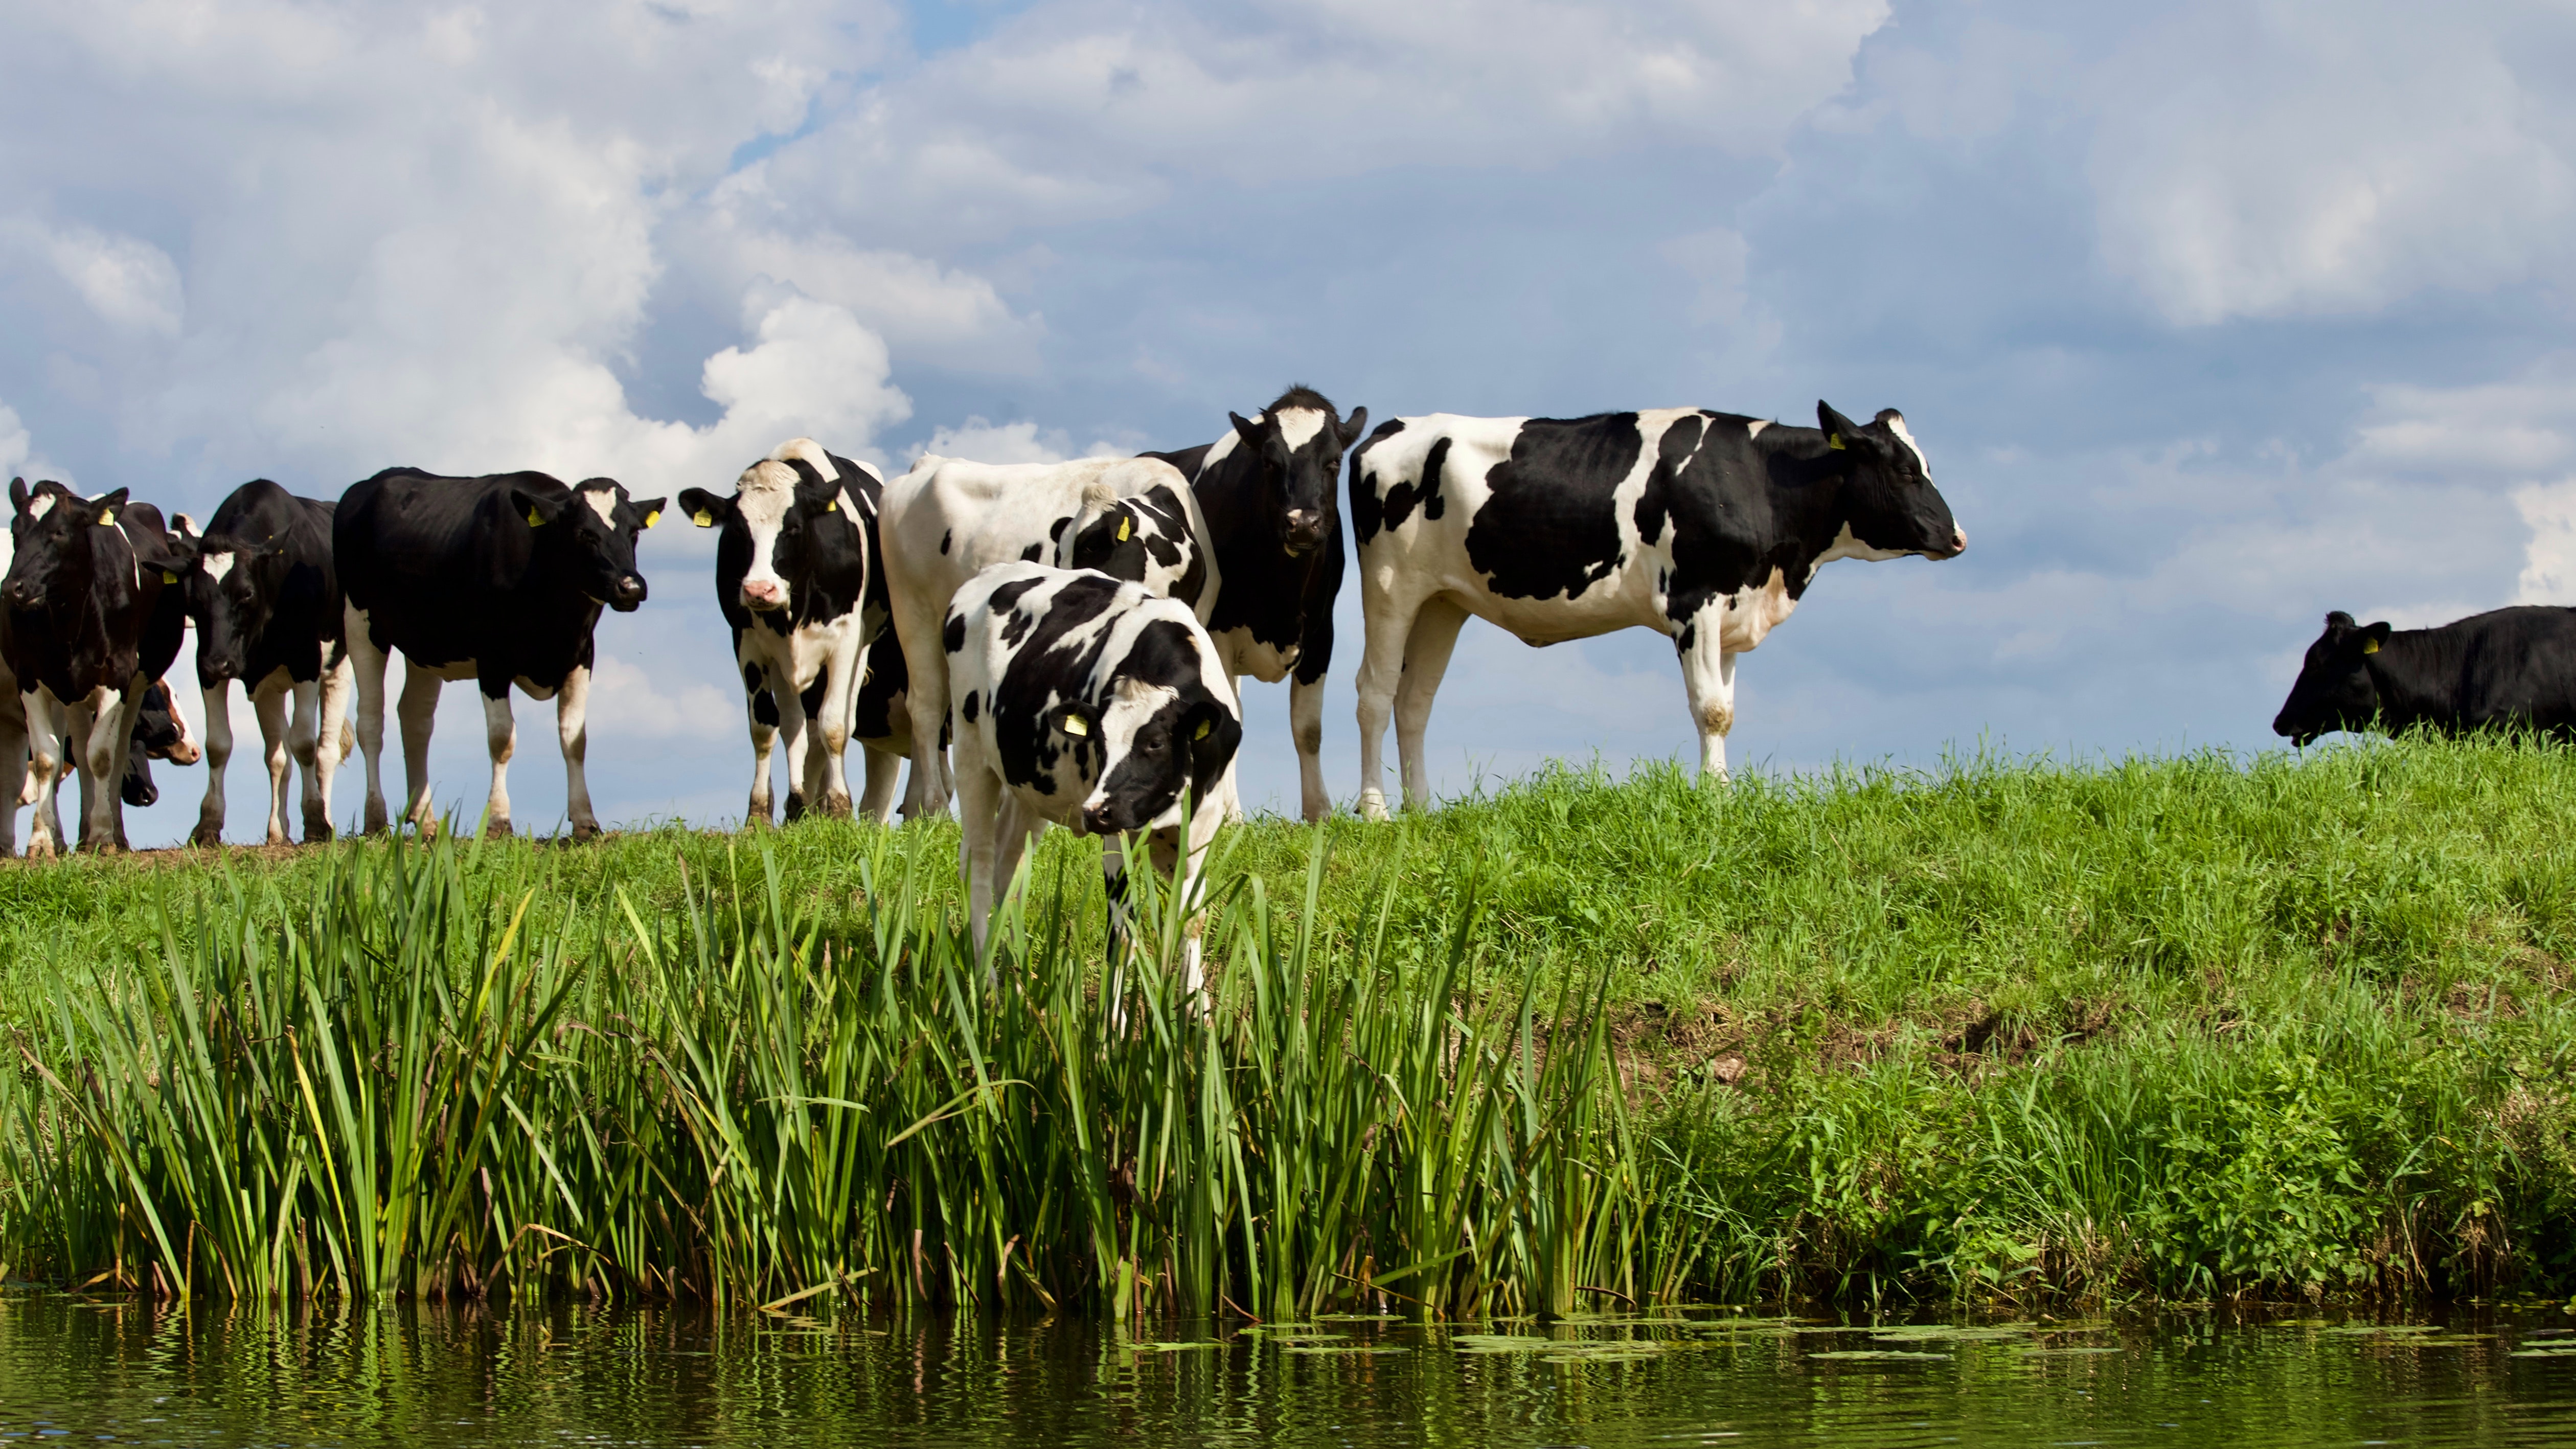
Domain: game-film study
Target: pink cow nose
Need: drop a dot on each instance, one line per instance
(763, 594)
(1958, 539)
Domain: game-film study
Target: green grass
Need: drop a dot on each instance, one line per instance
(2188, 1027)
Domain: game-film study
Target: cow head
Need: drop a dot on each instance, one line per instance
(589, 532)
(56, 533)
(1297, 445)
(1890, 507)
(232, 587)
(2335, 689)
(772, 523)
(1161, 733)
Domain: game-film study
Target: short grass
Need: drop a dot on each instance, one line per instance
(2185, 1026)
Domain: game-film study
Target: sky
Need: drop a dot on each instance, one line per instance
(2209, 317)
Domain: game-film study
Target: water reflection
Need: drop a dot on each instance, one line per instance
(124, 1371)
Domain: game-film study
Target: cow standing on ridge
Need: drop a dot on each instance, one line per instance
(497, 579)
(265, 597)
(1266, 491)
(2509, 668)
(1705, 526)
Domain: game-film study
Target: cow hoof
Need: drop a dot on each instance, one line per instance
(837, 805)
(40, 850)
(757, 813)
(376, 822)
(795, 810)
(1373, 806)
(276, 836)
(317, 828)
(207, 835)
(497, 828)
(584, 831)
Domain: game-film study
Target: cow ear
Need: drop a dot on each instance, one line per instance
(185, 527)
(1077, 721)
(1353, 426)
(2374, 635)
(108, 506)
(2339, 621)
(703, 508)
(1212, 735)
(1249, 432)
(1839, 430)
(18, 494)
(538, 509)
(650, 508)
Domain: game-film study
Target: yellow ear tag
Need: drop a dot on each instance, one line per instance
(1834, 441)
(1076, 725)
(168, 577)
(1126, 526)
(703, 519)
(1204, 726)
(652, 518)
(831, 505)
(106, 516)
(2369, 646)
(534, 521)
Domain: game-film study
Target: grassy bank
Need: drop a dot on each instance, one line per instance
(2188, 1027)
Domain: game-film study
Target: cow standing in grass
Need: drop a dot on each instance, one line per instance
(497, 579)
(2508, 669)
(1706, 527)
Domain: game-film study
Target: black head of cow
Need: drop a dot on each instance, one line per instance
(773, 526)
(59, 536)
(232, 591)
(588, 533)
(1298, 446)
(2335, 689)
(1889, 502)
(1162, 732)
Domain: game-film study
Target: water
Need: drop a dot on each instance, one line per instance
(90, 1371)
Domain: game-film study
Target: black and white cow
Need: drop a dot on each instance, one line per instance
(498, 579)
(1089, 702)
(265, 597)
(1705, 526)
(947, 520)
(85, 631)
(160, 733)
(796, 580)
(2507, 669)
(1266, 491)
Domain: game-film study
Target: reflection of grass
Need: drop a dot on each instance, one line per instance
(2191, 1026)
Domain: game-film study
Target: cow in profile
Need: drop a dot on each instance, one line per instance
(265, 597)
(84, 632)
(948, 520)
(2507, 669)
(796, 580)
(498, 579)
(1092, 703)
(1707, 527)
(1267, 491)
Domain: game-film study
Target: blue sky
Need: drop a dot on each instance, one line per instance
(2210, 317)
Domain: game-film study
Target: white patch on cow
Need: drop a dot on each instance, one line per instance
(603, 502)
(1297, 425)
(42, 505)
(807, 451)
(762, 496)
(1847, 545)
(1754, 428)
(1132, 703)
(1896, 425)
(1753, 612)
(217, 563)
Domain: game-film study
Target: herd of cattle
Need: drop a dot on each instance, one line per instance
(1056, 642)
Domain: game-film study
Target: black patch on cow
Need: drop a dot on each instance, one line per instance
(880, 714)
(1403, 497)
(945, 539)
(752, 679)
(1551, 527)
(1033, 553)
(953, 633)
(966, 707)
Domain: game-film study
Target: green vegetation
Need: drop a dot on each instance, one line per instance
(2187, 1027)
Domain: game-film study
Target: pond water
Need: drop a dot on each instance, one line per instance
(92, 1371)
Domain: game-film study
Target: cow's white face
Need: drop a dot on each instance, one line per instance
(763, 498)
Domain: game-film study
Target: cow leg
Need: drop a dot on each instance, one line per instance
(832, 728)
(884, 772)
(13, 772)
(925, 656)
(219, 752)
(1306, 727)
(1386, 622)
(1708, 678)
(1426, 658)
(979, 804)
(764, 742)
(270, 700)
(418, 713)
(44, 771)
(330, 746)
(501, 737)
(101, 751)
(792, 742)
(572, 731)
(1014, 826)
(367, 671)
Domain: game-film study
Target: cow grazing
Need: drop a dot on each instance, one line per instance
(1705, 526)
(1266, 491)
(796, 579)
(947, 520)
(1093, 703)
(265, 597)
(85, 630)
(497, 579)
(2508, 669)
(160, 733)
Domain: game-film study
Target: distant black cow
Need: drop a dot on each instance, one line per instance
(797, 580)
(1707, 527)
(497, 579)
(1093, 703)
(83, 629)
(2508, 668)
(1266, 491)
(265, 598)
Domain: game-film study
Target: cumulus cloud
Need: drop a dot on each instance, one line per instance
(645, 707)
(1020, 442)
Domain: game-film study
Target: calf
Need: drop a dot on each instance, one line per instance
(2511, 668)
(265, 597)
(1707, 527)
(85, 630)
(497, 579)
(795, 580)
(947, 520)
(1093, 703)
(1266, 491)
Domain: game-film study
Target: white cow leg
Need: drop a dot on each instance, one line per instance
(13, 773)
(832, 735)
(792, 742)
(44, 772)
(101, 751)
(572, 731)
(979, 803)
(330, 747)
(418, 711)
(1708, 679)
(1426, 659)
(219, 751)
(1306, 727)
(1386, 623)
(303, 702)
(501, 738)
(926, 656)
(269, 700)
(764, 744)
(367, 672)
(884, 772)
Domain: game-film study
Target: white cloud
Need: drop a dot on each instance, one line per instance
(1020, 442)
(129, 283)
(636, 704)
(1714, 260)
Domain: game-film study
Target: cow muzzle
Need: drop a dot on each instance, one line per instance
(762, 596)
(628, 593)
(24, 595)
(1099, 819)
(1305, 531)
